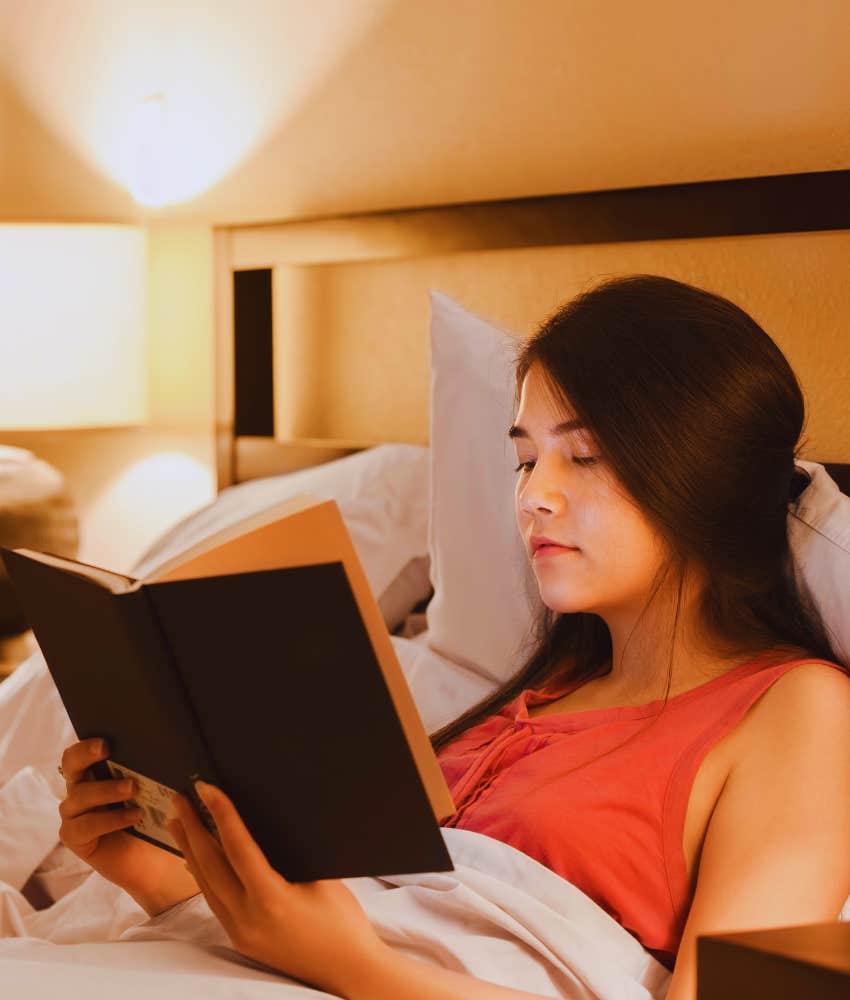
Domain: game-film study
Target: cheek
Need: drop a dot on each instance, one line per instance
(617, 536)
(635, 550)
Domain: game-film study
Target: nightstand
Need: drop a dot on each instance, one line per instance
(807, 962)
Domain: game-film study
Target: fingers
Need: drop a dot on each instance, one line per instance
(206, 853)
(79, 757)
(84, 796)
(82, 833)
(211, 887)
(84, 816)
(248, 861)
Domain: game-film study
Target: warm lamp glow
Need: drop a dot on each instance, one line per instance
(168, 98)
(169, 154)
(159, 490)
(72, 347)
(151, 173)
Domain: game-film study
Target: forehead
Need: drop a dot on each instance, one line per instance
(540, 414)
(538, 401)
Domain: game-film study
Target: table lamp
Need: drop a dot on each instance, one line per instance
(72, 355)
(72, 341)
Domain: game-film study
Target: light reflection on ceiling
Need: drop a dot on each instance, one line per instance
(166, 97)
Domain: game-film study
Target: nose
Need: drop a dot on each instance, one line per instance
(543, 490)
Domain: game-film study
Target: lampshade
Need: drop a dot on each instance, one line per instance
(72, 326)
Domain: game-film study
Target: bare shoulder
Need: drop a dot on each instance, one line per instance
(775, 850)
(805, 703)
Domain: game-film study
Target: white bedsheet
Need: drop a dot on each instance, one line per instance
(501, 916)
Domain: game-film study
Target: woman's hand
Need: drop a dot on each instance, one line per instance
(314, 931)
(154, 877)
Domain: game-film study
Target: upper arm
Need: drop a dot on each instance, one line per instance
(777, 848)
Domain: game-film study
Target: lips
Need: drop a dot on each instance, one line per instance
(540, 543)
(552, 550)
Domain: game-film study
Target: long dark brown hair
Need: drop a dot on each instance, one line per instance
(699, 414)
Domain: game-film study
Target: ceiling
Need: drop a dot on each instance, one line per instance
(277, 109)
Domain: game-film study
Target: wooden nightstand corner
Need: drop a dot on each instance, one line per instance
(806, 962)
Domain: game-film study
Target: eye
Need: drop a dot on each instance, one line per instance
(587, 460)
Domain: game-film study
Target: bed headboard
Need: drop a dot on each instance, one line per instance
(304, 308)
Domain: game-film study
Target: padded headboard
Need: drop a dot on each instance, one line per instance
(322, 325)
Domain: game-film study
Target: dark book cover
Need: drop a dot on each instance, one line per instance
(265, 683)
(303, 733)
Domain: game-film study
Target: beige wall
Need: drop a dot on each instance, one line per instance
(180, 322)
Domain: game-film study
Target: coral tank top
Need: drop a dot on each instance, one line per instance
(614, 825)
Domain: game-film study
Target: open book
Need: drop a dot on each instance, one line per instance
(259, 661)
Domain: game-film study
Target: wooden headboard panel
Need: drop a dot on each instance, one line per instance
(322, 325)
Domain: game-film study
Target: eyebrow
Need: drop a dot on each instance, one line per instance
(515, 431)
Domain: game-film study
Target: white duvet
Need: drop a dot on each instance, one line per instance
(500, 915)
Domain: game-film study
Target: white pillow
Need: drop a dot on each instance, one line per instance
(479, 614)
(819, 536)
(382, 493)
(485, 593)
(441, 688)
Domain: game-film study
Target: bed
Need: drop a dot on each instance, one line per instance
(304, 309)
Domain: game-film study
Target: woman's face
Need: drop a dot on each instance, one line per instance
(579, 503)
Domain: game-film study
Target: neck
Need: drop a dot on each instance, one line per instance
(651, 641)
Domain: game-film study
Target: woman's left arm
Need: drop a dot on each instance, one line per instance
(775, 851)
(314, 931)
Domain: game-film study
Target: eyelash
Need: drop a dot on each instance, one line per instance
(578, 461)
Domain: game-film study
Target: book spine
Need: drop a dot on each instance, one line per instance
(182, 754)
(173, 725)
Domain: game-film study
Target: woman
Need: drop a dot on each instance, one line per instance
(678, 671)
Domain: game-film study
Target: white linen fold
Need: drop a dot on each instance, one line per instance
(29, 824)
(500, 916)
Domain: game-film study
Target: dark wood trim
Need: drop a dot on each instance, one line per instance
(253, 373)
(783, 203)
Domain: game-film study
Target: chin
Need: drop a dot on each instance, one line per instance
(564, 602)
